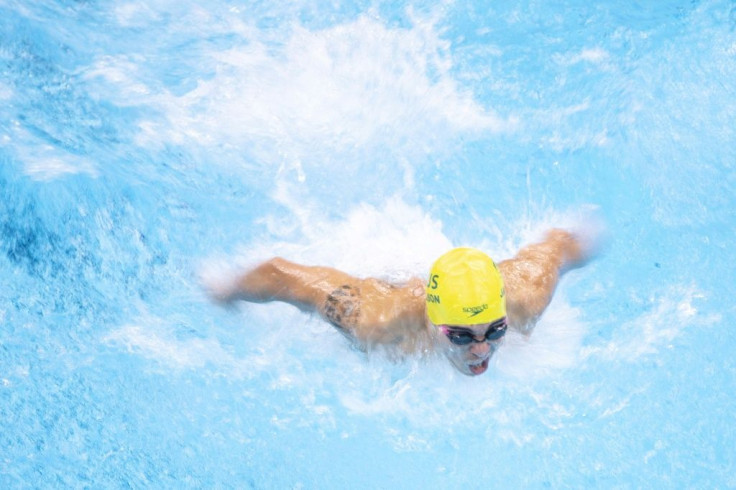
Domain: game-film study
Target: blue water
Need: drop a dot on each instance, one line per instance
(148, 147)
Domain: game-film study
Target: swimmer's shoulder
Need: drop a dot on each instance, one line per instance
(385, 312)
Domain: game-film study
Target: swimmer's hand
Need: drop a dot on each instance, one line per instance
(590, 235)
(219, 283)
(220, 293)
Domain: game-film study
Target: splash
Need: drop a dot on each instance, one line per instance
(331, 91)
(395, 241)
(668, 316)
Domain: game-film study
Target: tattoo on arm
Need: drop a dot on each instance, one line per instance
(342, 306)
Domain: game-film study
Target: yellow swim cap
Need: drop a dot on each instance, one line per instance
(465, 288)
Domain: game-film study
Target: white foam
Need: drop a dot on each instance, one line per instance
(43, 161)
(595, 56)
(358, 84)
(671, 312)
(554, 344)
(393, 241)
(123, 73)
(6, 92)
(134, 14)
(219, 275)
(152, 343)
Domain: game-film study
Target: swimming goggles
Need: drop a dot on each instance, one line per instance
(463, 336)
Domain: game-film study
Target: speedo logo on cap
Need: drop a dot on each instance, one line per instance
(475, 310)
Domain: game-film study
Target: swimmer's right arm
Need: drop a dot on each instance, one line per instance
(363, 309)
(278, 279)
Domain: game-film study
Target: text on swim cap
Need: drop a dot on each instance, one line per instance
(475, 310)
(433, 298)
(432, 284)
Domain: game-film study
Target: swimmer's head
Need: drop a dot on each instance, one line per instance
(466, 303)
(465, 288)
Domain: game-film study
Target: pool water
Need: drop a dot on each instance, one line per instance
(148, 147)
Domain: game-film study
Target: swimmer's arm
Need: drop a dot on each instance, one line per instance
(278, 279)
(363, 309)
(531, 277)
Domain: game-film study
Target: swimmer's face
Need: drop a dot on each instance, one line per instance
(470, 347)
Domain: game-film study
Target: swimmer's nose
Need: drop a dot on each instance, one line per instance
(480, 349)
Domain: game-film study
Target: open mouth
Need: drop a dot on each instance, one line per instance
(480, 368)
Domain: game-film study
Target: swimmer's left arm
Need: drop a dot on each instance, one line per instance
(531, 277)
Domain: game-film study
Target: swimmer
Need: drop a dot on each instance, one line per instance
(462, 310)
